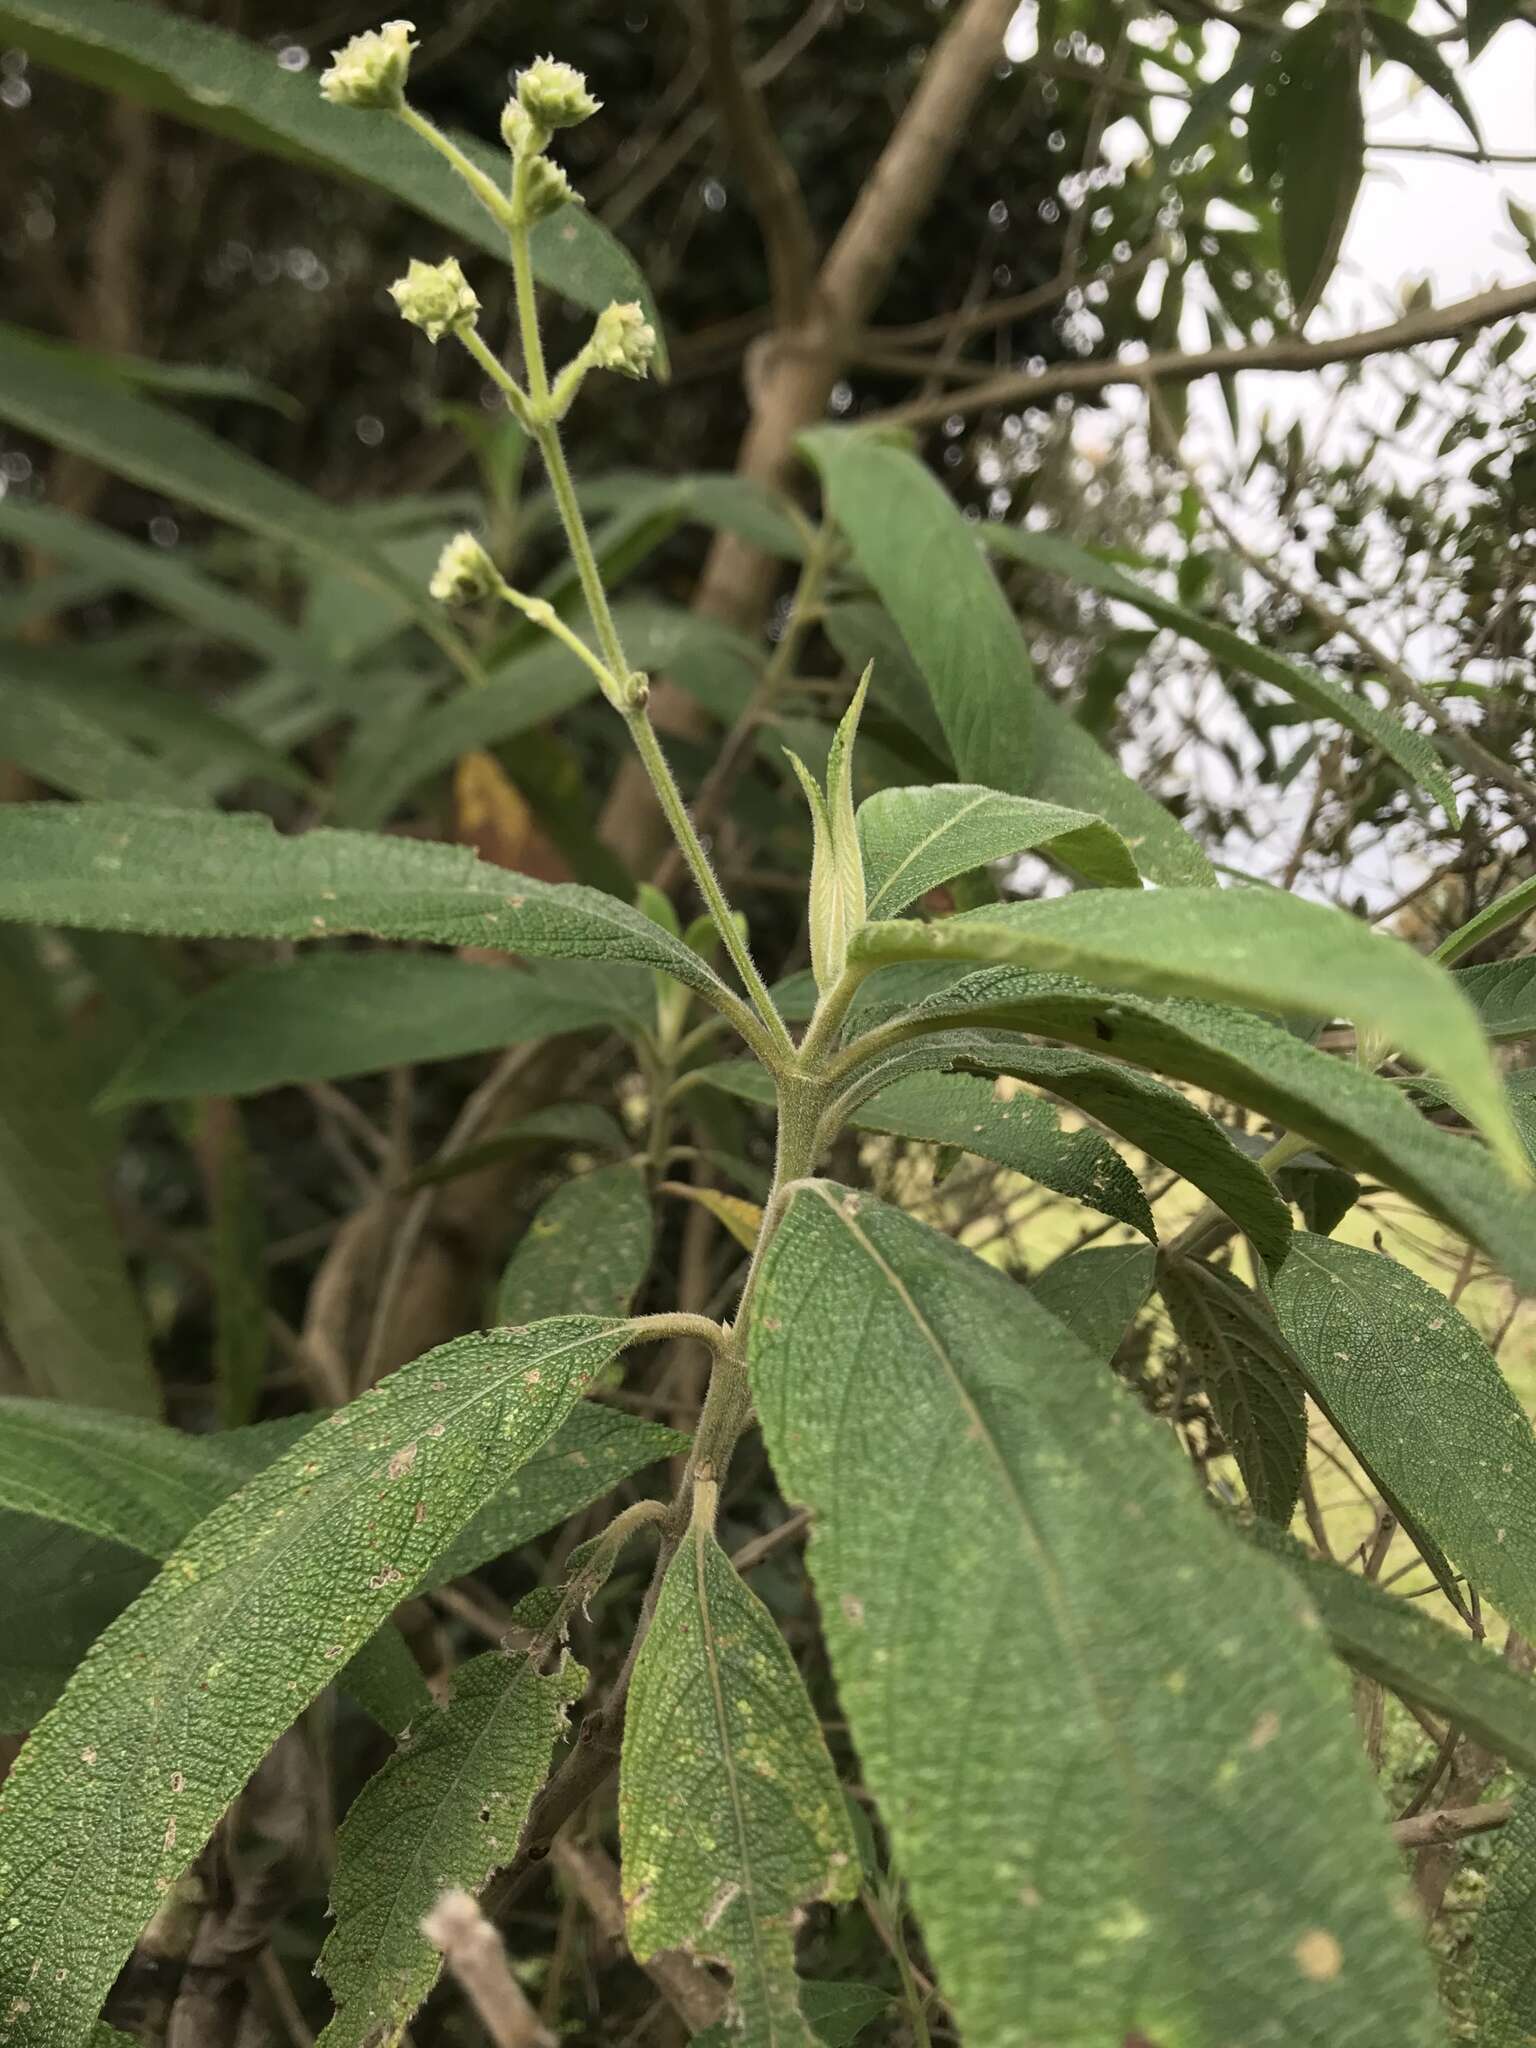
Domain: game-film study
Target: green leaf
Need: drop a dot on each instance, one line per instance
(71, 1316)
(838, 2014)
(115, 1477)
(117, 1790)
(1485, 18)
(385, 1680)
(1503, 1979)
(146, 1486)
(730, 1816)
(69, 750)
(1413, 1388)
(208, 751)
(573, 1126)
(447, 1809)
(1511, 908)
(585, 1252)
(1324, 1193)
(1404, 45)
(1254, 1384)
(188, 380)
(239, 1261)
(914, 839)
(1317, 693)
(1306, 128)
(923, 560)
(1163, 1123)
(58, 1591)
(129, 867)
(1249, 946)
(326, 1016)
(1392, 1640)
(1098, 1293)
(536, 686)
(44, 391)
(1021, 1133)
(214, 80)
(1145, 1684)
(588, 1455)
(1363, 1120)
(1503, 993)
(160, 575)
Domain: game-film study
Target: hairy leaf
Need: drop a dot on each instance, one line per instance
(730, 1816)
(1154, 1117)
(129, 867)
(1317, 693)
(1503, 1985)
(1020, 1132)
(585, 1252)
(1412, 1386)
(1254, 1384)
(71, 1316)
(210, 751)
(574, 1126)
(117, 1790)
(446, 1810)
(1503, 994)
(1363, 1120)
(1249, 946)
(44, 390)
(214, 80)
(838, 2014)
(592, 1450)
(914, 839)
(159, 575)
(1393, 1640)
(1098, 1293)
(58, 1591)
(923, 560)
(743, 1219)
(69, 749)
(329, 1015)
(1146, 1685)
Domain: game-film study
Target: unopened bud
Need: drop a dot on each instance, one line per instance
(546, 189)
(623, 340)
(436, 297)
(370, 71)
(555, 95)
(464, 572)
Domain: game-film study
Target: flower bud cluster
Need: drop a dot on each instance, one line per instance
(436, 297)
(370, 71)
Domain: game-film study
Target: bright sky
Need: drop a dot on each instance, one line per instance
(1417, 217)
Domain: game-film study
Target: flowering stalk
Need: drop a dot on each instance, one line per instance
(371, 73)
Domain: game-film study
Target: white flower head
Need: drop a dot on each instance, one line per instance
(546, 189)
(554, 95)
(370, 71)
(436, 297)
(464, 572)
(623, 340)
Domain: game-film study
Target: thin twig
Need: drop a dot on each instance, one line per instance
(1290, 353)
(472, 1950)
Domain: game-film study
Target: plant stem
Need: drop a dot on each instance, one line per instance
(670, 797)
(618, 675)
(495, 202)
